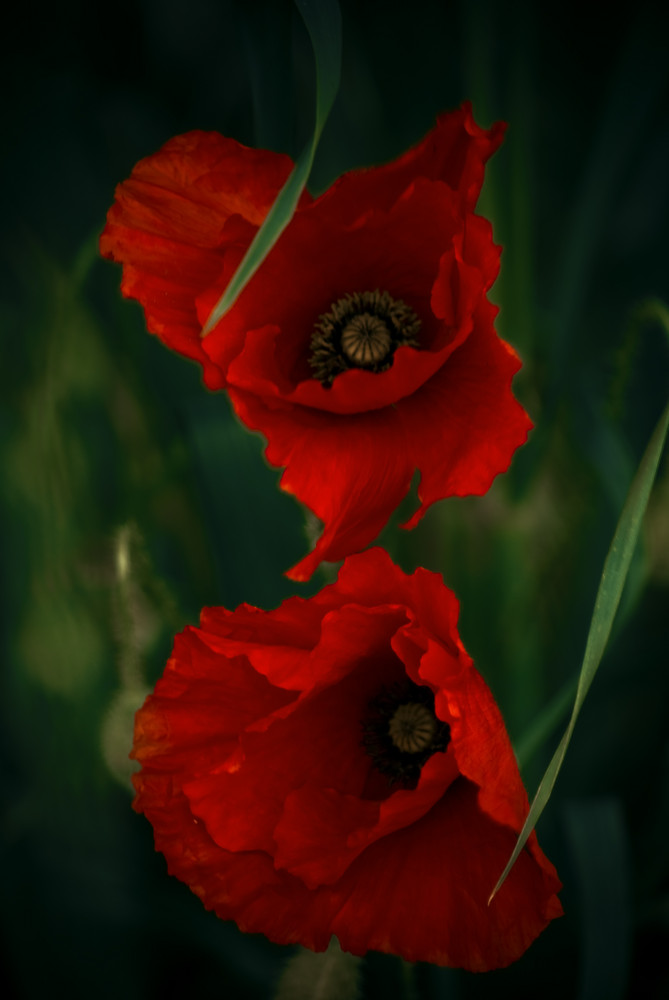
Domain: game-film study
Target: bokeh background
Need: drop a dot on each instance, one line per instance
(131, 497)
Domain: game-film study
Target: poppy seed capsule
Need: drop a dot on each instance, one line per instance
(412, 727)
(365, 340)
(361, 330)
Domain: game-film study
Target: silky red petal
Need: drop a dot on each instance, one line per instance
(345, 636)
(423, 891)
(454, 151)
(296, 622)
(322, 830)
(347, 470)
(173, 219)
(285, 637)
(244, 887)
(373, 577)
(472, 265)
(319, 742)
(209, 178)
(481, 744)
(353, 392)
(420, 892)
(479, 740)
(199, 706)
(475, 422)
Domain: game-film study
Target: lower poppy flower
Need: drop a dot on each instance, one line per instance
(339, 767)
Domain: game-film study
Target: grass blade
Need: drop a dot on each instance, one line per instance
(323, 21)
(606, 604)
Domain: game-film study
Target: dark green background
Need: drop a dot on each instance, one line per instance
(112, 450)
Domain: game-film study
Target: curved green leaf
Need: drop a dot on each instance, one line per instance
(323, 21)
(606, 604)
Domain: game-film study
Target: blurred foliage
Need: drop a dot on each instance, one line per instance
(131, 497)
(331, 975)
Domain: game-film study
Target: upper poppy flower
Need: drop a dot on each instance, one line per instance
(364, 347)
(338, 766)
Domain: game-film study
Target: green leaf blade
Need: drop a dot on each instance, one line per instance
(608, 597)
(323, 22)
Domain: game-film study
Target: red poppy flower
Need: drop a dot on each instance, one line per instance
(364, 347)
(338, 766)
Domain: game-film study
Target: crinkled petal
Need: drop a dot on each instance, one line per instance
(475, 423)
(454, 151)
(480, 741)
(322, 830)
(373, 577)
(349, 636)
(423, 891)
(420, 892)
(319, 743)
(199, 707)
(173, 219)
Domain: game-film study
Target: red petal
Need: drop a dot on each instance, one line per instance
(319, 742)
(284, 637)
(475, 422)
(480, 742)
(423, 891)
(454, 151)
(420, 893)
(199, 707)
(244, 887)
(348, 637)
(322, 830)
(372, 577)
(167, 225)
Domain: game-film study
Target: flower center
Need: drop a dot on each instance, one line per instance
(365, 340)
(412, 727)
(400, 732)
(362, 330)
